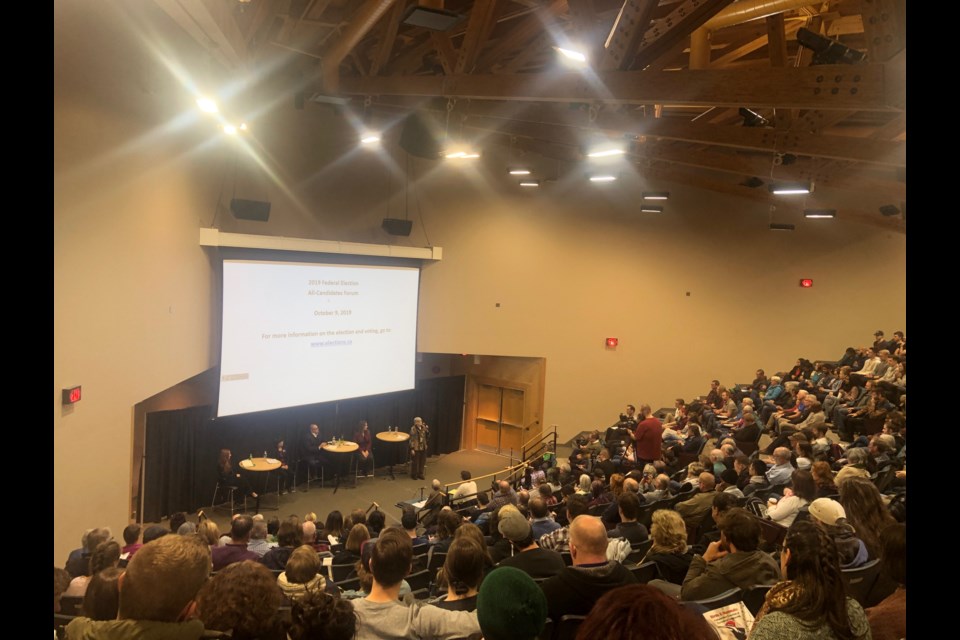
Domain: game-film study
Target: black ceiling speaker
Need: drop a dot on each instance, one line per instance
(250, 209)
(418, 137)
(397, 227)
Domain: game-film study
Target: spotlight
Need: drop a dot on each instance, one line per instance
(888, 210)
(789, 189)
(229, 129)
(656, 195)
(207, 105)
(827, 51)
(460, 154)
(778, 226)
(573, 56)
(820, 213)
(651, 208)
(752, 118)
(370, 138)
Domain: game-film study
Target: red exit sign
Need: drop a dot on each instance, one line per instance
(806, 283)
(71, 395)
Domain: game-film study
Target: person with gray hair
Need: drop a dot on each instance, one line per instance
(80, 565)
(693, 510)
(258, 539)
(661, 488)
(782, 470)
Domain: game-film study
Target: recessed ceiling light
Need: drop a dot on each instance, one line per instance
(519, 172)
(651, 208)
(529, 183)
(788, 189)
(656, 195)
(603, 178)
(370, 138)
(819, 213)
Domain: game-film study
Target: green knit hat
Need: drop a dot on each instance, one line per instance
(510, 606)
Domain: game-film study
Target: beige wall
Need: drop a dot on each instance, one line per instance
(569, 265)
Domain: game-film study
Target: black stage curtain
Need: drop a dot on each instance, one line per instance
(183, 445)
(173, 469)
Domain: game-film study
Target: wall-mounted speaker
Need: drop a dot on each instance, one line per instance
(250, 209)
(418, 137)
(396, 227)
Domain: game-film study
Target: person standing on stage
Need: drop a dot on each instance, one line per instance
(418, 448)
(364, 459)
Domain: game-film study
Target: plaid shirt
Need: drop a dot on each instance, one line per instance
(558, 540)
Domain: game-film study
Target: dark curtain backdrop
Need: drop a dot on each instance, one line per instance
(182, 446)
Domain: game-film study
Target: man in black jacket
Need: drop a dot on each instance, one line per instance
(576, 589)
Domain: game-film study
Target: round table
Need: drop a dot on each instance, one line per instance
(260, 464)
(393, 437)
(263, 465)
(340, 447)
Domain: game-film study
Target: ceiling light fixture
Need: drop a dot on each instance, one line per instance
(603, 178)
(819, 213)
(519, 172)
(651, 208)
(431, 18)
(788, 189)
(572, 55)
(243, 126)
(207, 105)
(656, 195)
(229, 129)
(779, 226)
(456, 155)
(529, 183)
(606, 153)
(370, 138)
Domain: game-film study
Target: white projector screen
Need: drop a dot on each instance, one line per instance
(302, 333)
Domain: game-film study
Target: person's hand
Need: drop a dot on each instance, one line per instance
(787, 492)
(714, 552)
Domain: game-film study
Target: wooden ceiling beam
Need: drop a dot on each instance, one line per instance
(777, 40)
(630, 28)
(665, 33)
(480, 24)
(844, 87)
(446, 52)
(388, 36)
(360, 25)
(523, 34)
(211, 24)
(881, 23)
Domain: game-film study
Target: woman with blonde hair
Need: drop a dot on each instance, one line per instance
(209, 532)
(669, 549)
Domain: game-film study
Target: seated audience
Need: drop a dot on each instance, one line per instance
(78, 564)
(541, 520)
(351, 551)
(829, 515)
(462, 571)
(693, 509)
(559, 540)
(527, 554)
(865, 511)
(102, 599)
(258, 539)
(628, 504)
(235, 550)
(802, 491)
(106, 555)
(288, 538)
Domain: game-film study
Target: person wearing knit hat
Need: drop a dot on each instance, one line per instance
(510, 606)
(527, 554)
(829, 515)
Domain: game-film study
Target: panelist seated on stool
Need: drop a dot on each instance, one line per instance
(365, 463)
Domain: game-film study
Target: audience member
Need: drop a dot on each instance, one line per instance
(575, 589)
(318, 616)
(628, 504)
(542, 522)
(888, 620)
(527, 555)
(351, 551)
(810, 603)
(732, 561)
(462, 571)
(288, 538)
(801, 492)
(641, 612)
(235, 550)
(865, 511)
(559, 540)
(242, 599)
(669, 549)
(510, 606)
(102, 599)
(156, 598)
(131, 542)
(78, 564)
(106, 555)
(693, 509)
(333, 527)
(409, 523)
(302, 573)
(829, 515)
(382, 616)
